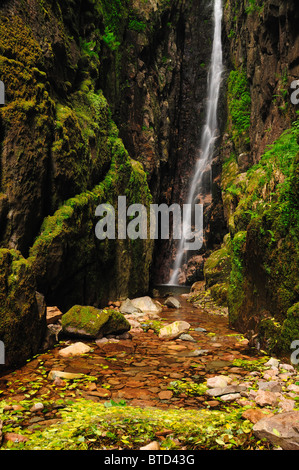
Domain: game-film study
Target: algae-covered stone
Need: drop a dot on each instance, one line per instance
(92, 322)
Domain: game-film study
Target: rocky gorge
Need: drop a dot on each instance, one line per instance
(104, 99)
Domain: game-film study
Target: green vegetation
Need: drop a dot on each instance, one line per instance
(254, 6)
(86, 425)
(187, 387)
(239, 106)
(263, 213)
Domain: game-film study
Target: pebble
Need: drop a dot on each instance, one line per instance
(37, 407)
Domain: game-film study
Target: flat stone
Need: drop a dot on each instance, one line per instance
(185, 337)
(254, 415)
(37, 407)
(63, 375)
(174, 330)
(198, 352)
(271, 386)
(264, 398)
(165, 395)
(75, 349)
(230, 397)
(219, 391)
(218, 381)
(281, 430)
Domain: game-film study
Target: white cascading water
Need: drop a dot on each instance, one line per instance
(209, 133)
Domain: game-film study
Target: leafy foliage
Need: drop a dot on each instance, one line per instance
(87, 425)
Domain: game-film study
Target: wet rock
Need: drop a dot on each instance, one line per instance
(63, 375)
(75, 349)
(286, 404)
(219, 381)
(172, 302)
(272, 362)
(174, 330)
(88, 321)
(127, 308)
(200, 330)
(270, 386)
(254, 415)
(198, 352)
(185, 337)
(220, 391)
(281, 430)
(52, 336)
(165, 395)
(287, 367)
(264, 398)
(147, 305)
(230, 396)
(37, 407)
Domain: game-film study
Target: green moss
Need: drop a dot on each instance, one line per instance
(236, 288)
(289, 329)
(22, 325)
(89, 425)
(239, 106)
(85, 318)
(93, 322)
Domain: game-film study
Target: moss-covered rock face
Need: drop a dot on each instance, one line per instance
(61, 155)
(91, 322)
(217, 269)
(22, 310)
(259, 180)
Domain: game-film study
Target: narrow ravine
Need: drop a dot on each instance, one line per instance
(146, 372)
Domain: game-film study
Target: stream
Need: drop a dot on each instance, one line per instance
(138, 370)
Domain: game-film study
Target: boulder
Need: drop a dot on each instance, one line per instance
(127, 308)
(172, 302)
(147, 305)
(281, 430)
(87, 321)
(174, 330)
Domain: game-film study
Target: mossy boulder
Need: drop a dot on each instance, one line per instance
(88, 321)
(22, 309)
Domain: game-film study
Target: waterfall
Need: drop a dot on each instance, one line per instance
(209, 133)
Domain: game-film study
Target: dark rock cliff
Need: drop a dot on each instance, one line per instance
(106, 98)
(259, 152)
